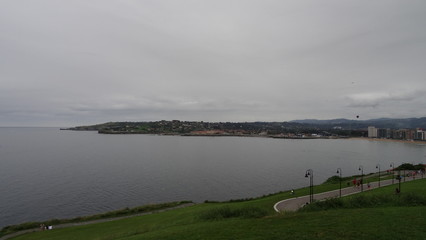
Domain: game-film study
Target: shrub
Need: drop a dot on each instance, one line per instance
(411, 199)
(331, 203)
(227, 212)
(333, 179)
(367, 201)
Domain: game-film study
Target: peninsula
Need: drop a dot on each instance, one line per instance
(193, 128)
(397, 129)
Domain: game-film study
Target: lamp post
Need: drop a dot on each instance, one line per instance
(404, 175)
(392, 165)
(310, 174)
(399, 181)
(339, 171)
(361, 168)
(378, 166)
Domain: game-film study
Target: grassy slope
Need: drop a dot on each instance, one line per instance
(368, 223)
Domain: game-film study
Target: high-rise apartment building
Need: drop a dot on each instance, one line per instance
(372, 132)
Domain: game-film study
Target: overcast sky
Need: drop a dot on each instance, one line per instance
(67, 63)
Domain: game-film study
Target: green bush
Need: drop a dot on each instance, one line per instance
(333, 179)
(411, 199)
(23, 226)
(336, 179)
(367, 201)
(227, 212)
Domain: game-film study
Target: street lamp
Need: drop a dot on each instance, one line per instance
(361, 168)
(378, 166)
(310, 174)
(392, 165)
(399, 180)
(339, 171)
(404, 175)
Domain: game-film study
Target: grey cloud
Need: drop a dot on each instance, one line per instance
(75, 61)
(374, 99)
(162, 104)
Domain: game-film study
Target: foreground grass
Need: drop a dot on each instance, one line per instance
(108, 215)
(255, 219)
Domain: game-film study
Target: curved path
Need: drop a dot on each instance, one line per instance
(293, 204)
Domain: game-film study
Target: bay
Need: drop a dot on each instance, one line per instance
(46, 173)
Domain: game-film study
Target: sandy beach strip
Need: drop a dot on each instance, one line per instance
(387, 140)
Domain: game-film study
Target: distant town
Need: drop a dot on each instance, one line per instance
(401, 134)
(294, 129)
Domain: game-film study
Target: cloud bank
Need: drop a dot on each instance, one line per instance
(66, 63)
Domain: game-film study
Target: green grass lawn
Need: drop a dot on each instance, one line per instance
(256, 219)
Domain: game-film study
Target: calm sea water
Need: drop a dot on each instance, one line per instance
(46, 173)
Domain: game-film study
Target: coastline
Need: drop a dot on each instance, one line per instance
(228, 134)
(388, 140)
(209, 134)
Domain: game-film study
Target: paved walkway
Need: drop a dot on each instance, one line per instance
(293, 204)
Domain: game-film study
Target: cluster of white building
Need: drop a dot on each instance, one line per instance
(403, 134)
